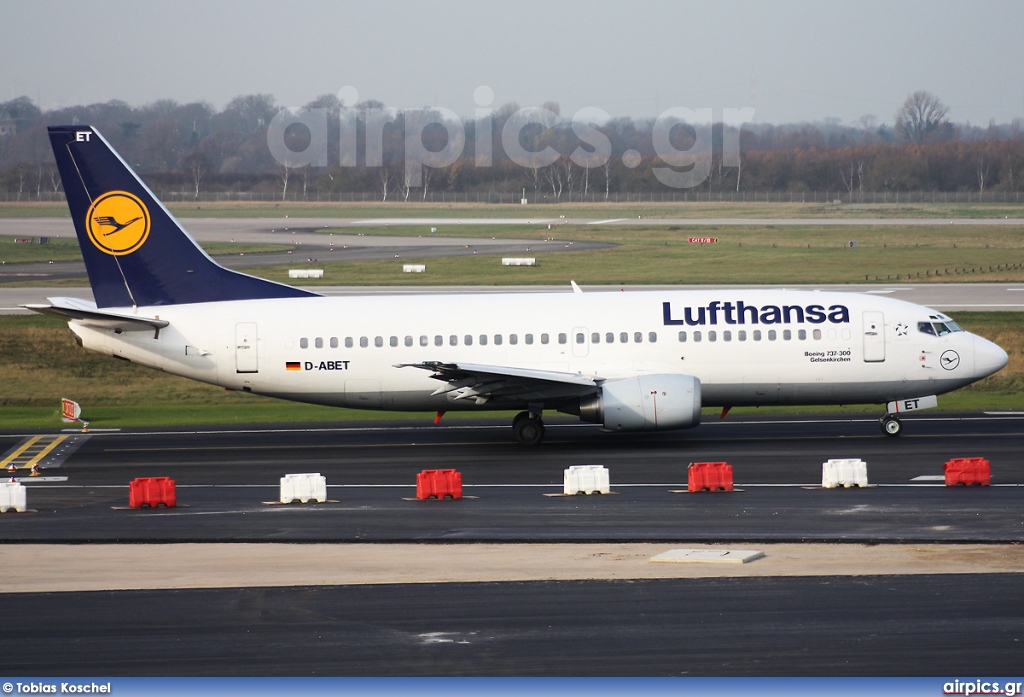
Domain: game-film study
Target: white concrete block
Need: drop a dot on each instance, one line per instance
(844, 473)
(585, 479)
(519, 261)
(708, 556)
(305, 273)
(414, 268)
(13, 495)
(303, 487)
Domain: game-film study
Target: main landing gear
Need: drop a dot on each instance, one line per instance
(528, 428)
(891, 425)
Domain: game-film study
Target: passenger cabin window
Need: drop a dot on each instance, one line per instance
(483, 339)
(726, 336)
(787, 335)
(757, 335)
(563, 338)
(513, 339)
(771, 335)
(682, 337)
(802, 335)
(378, 341)
(424, 340)
(529, 339)
(334, 342)
(543, 338)
(624, 338)
(438, 340)
(581, 338)
(741, 335)
(393, 341)
(453, 340)
(469, 339)
(817, 334)
(303, 342)
(696, 337)
(319, 342)
(638, 337)
(497, 339)
(712, 335)
(364, 342)
(652, 337)
(595, 338)
(408, 341)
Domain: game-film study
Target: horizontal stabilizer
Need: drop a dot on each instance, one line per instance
(88, 314)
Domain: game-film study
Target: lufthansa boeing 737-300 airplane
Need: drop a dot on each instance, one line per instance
(636, 361)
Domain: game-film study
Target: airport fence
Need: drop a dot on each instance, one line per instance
(498, 197)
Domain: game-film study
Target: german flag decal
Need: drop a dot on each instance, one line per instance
(293, 365)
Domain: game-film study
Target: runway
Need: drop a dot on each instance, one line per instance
(932, 609)
(371, 470)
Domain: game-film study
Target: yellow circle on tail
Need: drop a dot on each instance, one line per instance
(118, 223)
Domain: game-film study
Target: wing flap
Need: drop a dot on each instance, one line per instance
(484, 383)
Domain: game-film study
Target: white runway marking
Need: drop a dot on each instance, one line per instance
(602, 222)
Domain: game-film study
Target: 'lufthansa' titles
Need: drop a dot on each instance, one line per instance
(739, 312)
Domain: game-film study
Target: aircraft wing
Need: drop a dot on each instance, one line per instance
(88, 314)
(486, 383)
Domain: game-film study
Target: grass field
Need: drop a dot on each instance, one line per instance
(769, 254)
(42, 364)
(784, 254)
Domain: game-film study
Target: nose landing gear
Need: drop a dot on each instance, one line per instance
(891, 425)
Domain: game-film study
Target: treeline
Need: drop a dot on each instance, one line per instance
(193, 148)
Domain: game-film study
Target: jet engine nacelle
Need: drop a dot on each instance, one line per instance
(645, 403)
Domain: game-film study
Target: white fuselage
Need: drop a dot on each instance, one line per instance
(747, 347)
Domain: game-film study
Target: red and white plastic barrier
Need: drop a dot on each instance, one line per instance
(304, 487)
(844, 473)
(13, 495)
(709, 476)
(585, 479)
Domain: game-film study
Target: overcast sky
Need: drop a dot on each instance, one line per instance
(793, 60)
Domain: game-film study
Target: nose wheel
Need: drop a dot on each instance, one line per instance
(528, 428)
(891, 425)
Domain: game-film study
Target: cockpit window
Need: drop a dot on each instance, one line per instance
(939, 328)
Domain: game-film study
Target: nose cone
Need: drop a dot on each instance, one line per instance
(988, 357)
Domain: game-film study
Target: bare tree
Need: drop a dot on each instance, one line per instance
(567, 166)
(198, 165)
(384, 178)
(285, 173)
(607, 167)
(553, 175)
(427, 173)
(21, 172)
(921, 118)
(406, 183)
(54, 178)
(982, 171)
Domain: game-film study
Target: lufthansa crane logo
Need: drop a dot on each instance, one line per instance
(949, 359)
(118, 223)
